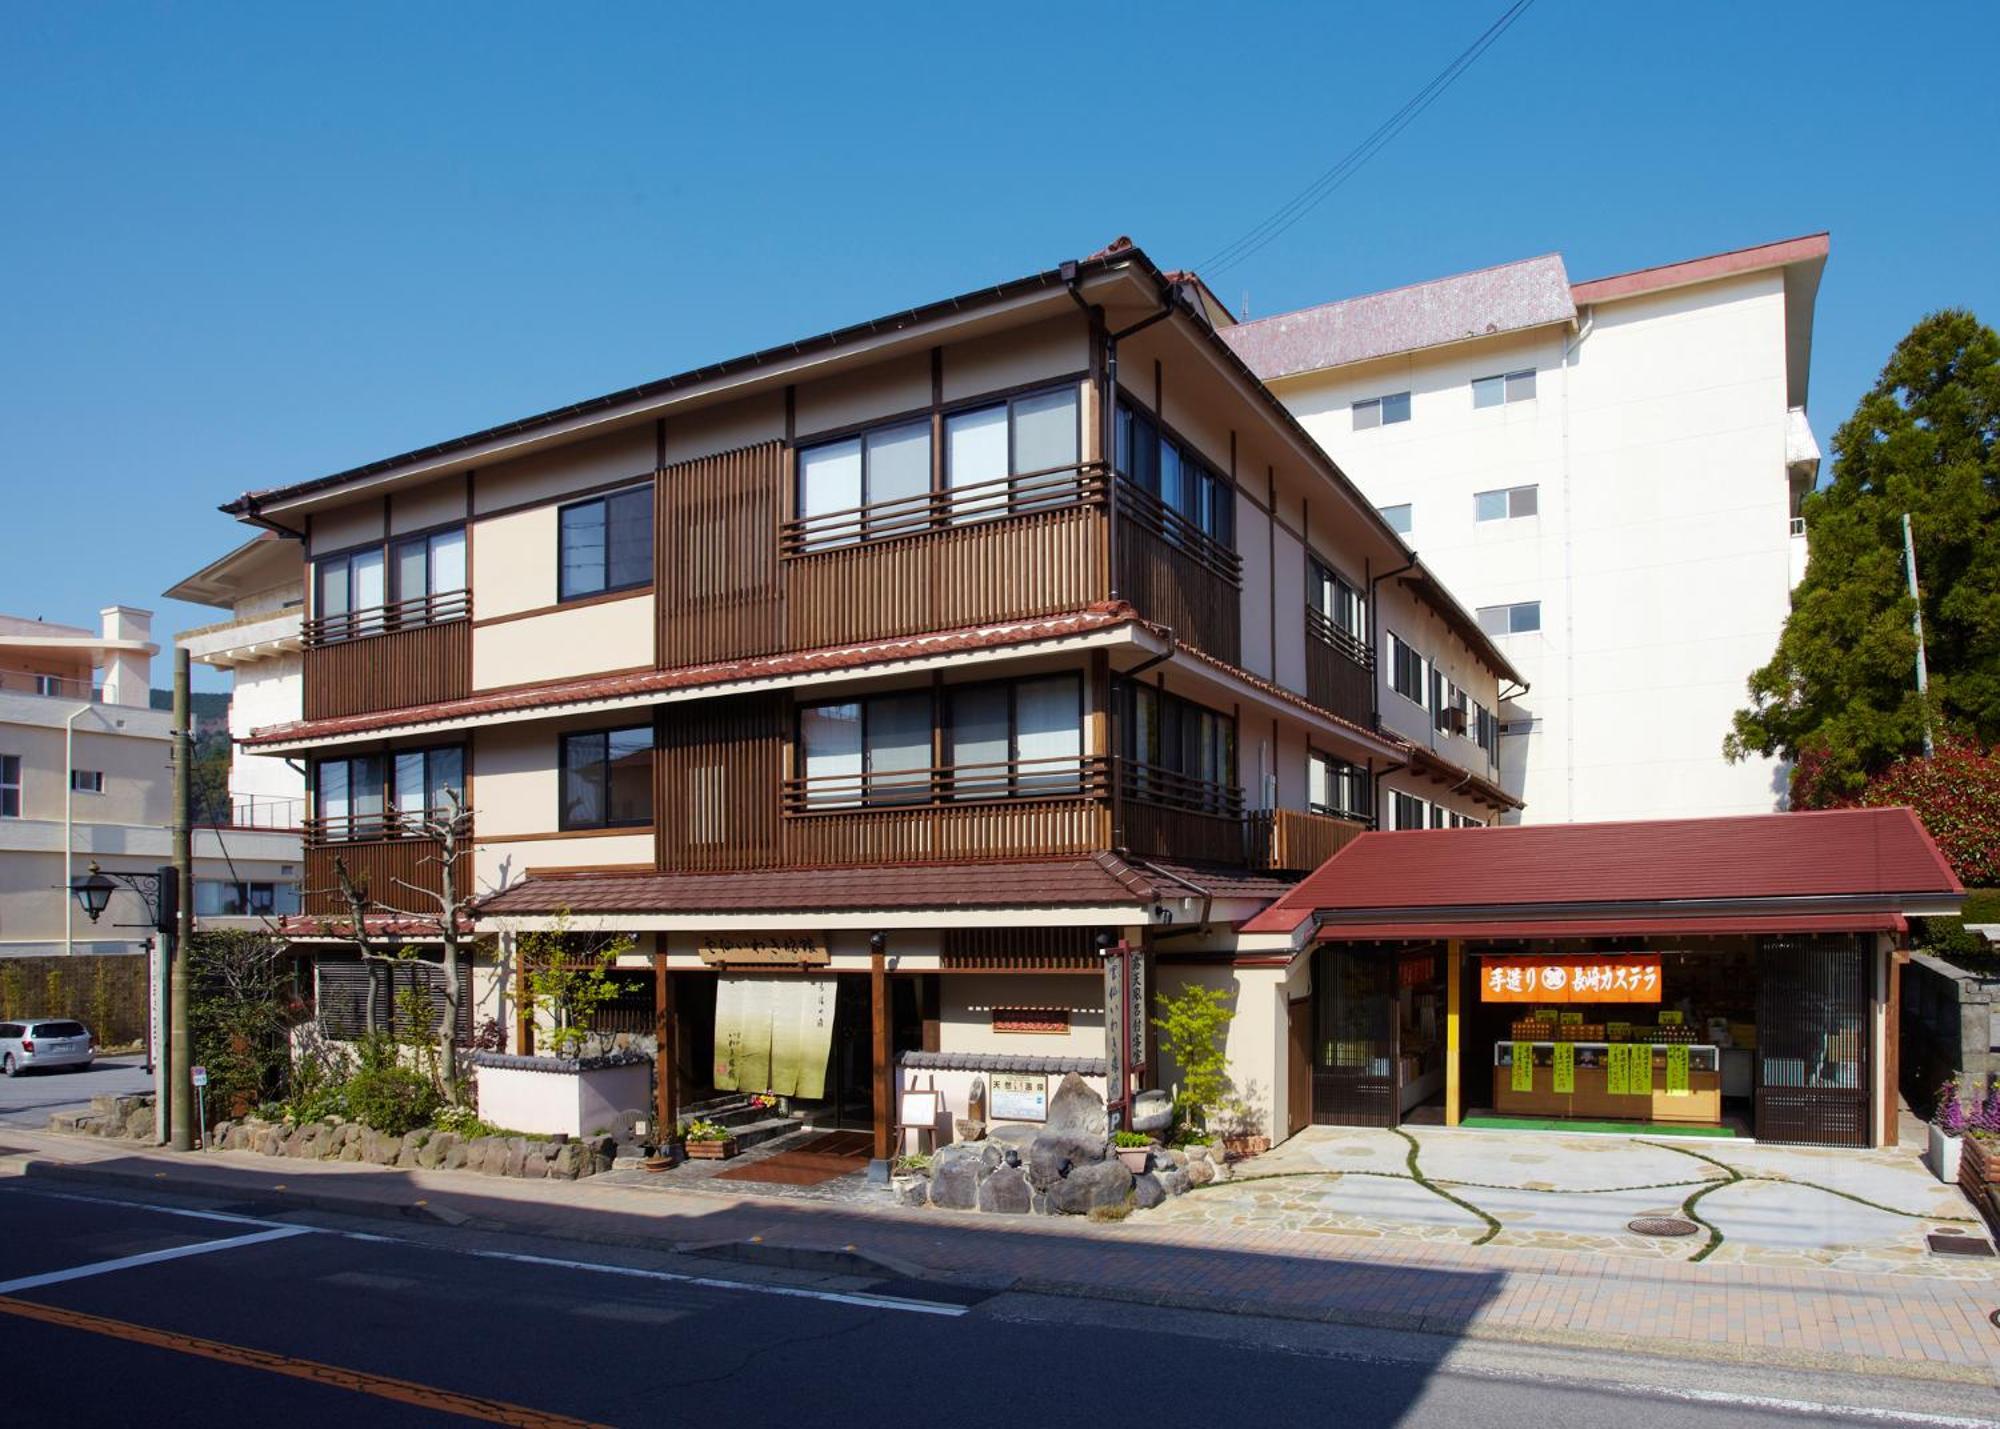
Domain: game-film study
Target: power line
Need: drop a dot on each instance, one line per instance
(1385, 133)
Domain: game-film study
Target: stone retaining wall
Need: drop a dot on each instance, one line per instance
(530, 1157)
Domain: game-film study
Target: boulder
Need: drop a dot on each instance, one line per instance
(569, 1156)
(1147, 1192)
(1076, 1110)
(1006, 1192)
(1152, 1111)
(912, 1190)
(1200, 1171)
(452, 1158)
(1086, 1188)
(956, 1173)
(1173, 1182)
(1053, 1156)
(430, 1156)
(140, 1126)
(413, 1142)
(1013, 1133)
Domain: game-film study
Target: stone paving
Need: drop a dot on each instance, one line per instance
(1861, 1211)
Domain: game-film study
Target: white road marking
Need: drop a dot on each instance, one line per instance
(708, 1282)
(1797, 1406)
(151, 1257)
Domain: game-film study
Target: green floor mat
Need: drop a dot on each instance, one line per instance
(1623, 1128)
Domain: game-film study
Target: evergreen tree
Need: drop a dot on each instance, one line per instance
(1841, 687)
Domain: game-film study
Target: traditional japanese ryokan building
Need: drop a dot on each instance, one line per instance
(925, 697)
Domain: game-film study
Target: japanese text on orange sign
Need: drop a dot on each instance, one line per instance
(1616, 978)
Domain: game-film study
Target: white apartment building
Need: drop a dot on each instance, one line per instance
(261, 583)
(1609, 473)
(86, 776)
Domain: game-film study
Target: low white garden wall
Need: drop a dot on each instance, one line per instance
(559, 1096)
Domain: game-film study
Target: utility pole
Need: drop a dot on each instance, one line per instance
(1917, 620)
(181, 1052)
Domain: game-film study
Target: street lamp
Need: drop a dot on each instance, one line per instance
(160, 892)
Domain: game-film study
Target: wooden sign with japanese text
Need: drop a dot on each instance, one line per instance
(1612, 977)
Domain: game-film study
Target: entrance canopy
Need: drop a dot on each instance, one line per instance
(1838, 871)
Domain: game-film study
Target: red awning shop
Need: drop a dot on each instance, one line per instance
(1738, 974)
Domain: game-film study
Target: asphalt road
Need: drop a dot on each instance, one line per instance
(114, 1312)
(31, 1098)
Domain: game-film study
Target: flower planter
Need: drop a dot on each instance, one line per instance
(711, 1150)
(1945, 1150)
(1979, 1162)
(1135, 1158)
(1241, 1148)
(561, 1095)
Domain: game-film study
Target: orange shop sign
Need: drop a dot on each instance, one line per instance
(1612, 977)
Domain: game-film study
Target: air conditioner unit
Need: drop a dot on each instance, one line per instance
(1456, 719)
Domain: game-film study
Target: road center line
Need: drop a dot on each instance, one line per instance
(151, 1257)
(403, 1391)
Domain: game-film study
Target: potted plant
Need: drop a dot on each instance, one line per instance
(1979, 1166)
(1947, 1131)
(708, 1141)
(1238, 1123)
(1135, 1149)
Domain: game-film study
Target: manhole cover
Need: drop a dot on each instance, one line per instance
(1952, 1243)
(1661, 1225)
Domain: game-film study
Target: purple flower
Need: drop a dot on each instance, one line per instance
(1950, 1117)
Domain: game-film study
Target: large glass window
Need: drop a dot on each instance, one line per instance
(230, 898)
(352, 797)
(1503, 388)
(607, 779)
(10, 786)
(348, 593)
(423, 566)
(890, 464)
(1381, 411)
(1507, 504)
(1177, 475)
(1406, 669)
(1407, 811)
(1338, 787)
(1193, 746)
(1521, 618)
(606, 543)
(1025, 737)
(1034, 437)
(422, 779)
(1340, 603)
(876, 751)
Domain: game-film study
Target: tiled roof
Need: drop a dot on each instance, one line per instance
(1088, 880)
(1507, 298)
(1567, 870)
(1075, 881)
(594, 688)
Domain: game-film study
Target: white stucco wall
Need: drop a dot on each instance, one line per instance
(1660, 553)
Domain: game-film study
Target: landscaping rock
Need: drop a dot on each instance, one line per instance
(413, 1142)
(568, 1156)
(1086, 1188)
(1053, 1156)
(452, 1158)
(1173, 1182)
(430, 1156)
(1200, 1171)
(140, 1126)
(1014, 1133)
(912, 1190)
(1076, 1110)
(1006, 1192)
(956, 1173)
(1147, 1192)
(1152, 1111)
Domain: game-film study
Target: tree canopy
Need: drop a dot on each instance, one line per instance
(1841, 687)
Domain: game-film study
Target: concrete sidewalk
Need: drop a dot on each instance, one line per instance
(1799, 1317)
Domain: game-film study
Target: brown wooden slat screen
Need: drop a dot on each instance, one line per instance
(1340, 671)
(1019, 950)
(389, 671)
(720, 770)
(1296, 841)
(721, 592)
(1815, 1023)
(1173, 585)
(343, 1004)
(382, 865)
(1035, 564)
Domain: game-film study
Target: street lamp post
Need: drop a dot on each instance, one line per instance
(160, 892)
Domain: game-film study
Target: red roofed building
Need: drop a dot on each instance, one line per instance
(1750, 961)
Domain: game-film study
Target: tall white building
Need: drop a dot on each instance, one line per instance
(1609, 472)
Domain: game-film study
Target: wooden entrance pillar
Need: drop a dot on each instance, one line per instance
(524, 1012)
(878, 993)
(1454, 997)
(667, 1059)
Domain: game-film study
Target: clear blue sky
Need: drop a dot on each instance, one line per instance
(249, 245)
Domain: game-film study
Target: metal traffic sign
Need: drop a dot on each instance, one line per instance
(198, 1075)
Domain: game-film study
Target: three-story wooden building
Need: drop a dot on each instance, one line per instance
(883, 684)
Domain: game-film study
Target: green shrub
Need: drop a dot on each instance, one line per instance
(1131, 1138)
(392, 1099)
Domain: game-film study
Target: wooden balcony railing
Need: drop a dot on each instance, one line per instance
(998, 550)
(416, 652)
(418, 610)
(1295, 841)
(1021, 808)
(1177, 575)
(1340, 670)
(395, 870)
(1162, 814)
